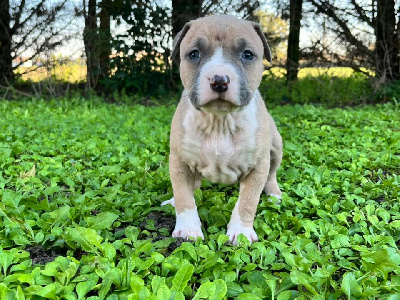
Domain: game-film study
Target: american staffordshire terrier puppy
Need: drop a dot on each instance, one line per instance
(221, 129)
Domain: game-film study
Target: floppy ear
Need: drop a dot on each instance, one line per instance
(178, 39)
(267, 51)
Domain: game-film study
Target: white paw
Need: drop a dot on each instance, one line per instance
(279, 197)
(188, 225)
(234, 229)
(170, 201)
(277, 200)
(188, 233)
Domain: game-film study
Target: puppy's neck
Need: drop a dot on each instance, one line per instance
(224, 124)
(218, 124)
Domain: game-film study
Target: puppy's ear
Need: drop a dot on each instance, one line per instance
(178, 39)
(267, 51)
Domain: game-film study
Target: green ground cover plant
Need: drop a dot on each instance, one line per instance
(81, 184)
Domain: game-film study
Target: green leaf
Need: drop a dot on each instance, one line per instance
(187, 247)
(156, 282)
(303, 279)
(163, 292)
(48, 292)
(60, 214)
(84, 287)
(101, 221)
(233, 289)
(285, 295)
(382, 261)
(350, 286)
(247, 296)
(86, 238)
(12, 198)
(340, 240)
(19, 278)
(222, 239)
(324, 191)
(6, 258)
(257, 280)
(20, 294)
(109, 251)
(212, 290)
(182, 277)
(112, 276)
(138, 287)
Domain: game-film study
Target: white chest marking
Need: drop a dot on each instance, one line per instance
(221, 148)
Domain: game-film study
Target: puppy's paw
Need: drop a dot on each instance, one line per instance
(170, 201)
(188, 233)
(235, 229)
(188, 225)
(275, 198)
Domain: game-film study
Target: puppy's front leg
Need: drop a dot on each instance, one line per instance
(183, 183)
(245, 209)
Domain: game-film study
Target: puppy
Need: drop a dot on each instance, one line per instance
(221, 129)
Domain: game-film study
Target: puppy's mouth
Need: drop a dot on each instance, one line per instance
(219, 107)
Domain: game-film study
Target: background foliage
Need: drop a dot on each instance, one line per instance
(142, 50)
(126, 44)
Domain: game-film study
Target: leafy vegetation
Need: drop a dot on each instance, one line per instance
(81, 184)
(331, 86)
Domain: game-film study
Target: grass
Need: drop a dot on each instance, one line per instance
(81, 184)
(75, 72)
(61, 71)
(336, 86)
(342, 72)
(331, 86)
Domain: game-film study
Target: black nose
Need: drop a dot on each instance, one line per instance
(220, 83)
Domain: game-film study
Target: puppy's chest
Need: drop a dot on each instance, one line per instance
(219, 156)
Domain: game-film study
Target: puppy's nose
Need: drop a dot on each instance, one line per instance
(220, 83)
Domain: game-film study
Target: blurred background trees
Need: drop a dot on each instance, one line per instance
(126, 44)
(29, 31)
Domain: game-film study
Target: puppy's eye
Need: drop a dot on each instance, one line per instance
(195, 54)
(247, 55)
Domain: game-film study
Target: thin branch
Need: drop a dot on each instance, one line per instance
(11, 88)
(17, 18)
(329, 10)
(361, 13)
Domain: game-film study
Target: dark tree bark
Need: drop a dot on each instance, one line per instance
(105, 39)
(184, 11)
(6, 73)
(293, 52)
(90, 40)
(387, 60)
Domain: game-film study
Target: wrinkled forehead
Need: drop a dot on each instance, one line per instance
(212, 34)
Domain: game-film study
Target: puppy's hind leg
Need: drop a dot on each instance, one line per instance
(271, 186)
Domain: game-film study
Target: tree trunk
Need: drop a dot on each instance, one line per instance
(6, 74)
(387, 60)
(105, 40)
(184, 11)
(293, 51)
(90, 39)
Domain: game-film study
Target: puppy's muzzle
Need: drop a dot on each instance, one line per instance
(220, 84)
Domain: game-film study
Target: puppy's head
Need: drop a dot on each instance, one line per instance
(221, 62)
